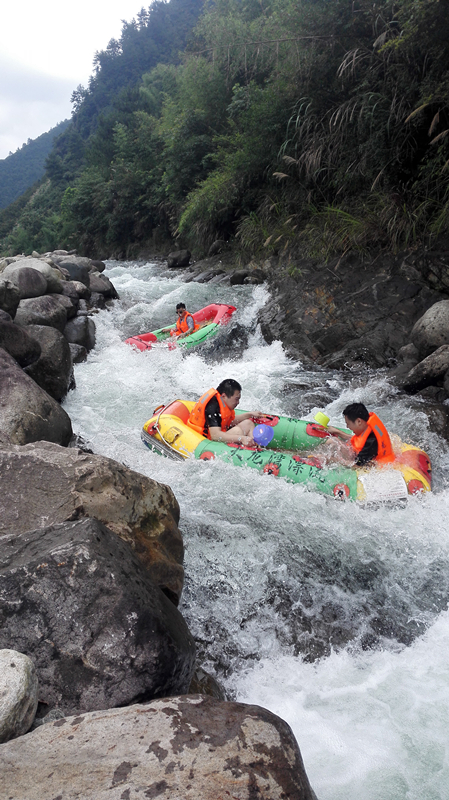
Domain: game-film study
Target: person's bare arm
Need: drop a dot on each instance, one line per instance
(217, 435)
(345, 437)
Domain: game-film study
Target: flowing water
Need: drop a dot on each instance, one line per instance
(331, 615)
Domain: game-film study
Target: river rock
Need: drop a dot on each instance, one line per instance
(429, 371)
(141, 511)
(97, 300)
(82, 290)
(182, 748)
(9, 296)
(51, 275)
(101, 284)
(30, 282)
(432, 329)
(81, 330)
(70, 304)
(349, 312)
(179, 258)
(27, 412)
(78, 353)
(45, 310)
(18, 694)
(19, 343)
(53, 370)
(78, 267)
(98, 266)
(100, 633)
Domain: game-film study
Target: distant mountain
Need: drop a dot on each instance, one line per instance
(26, 166)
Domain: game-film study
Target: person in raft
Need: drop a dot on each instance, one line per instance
(369, 439)
(214, 417)
(185, 324)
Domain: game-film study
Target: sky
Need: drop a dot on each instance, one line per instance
(47, 50)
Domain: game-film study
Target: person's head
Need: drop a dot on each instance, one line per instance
(181, 309)
(356, 417)
(230, 391)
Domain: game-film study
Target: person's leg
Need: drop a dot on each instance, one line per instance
(244, 428)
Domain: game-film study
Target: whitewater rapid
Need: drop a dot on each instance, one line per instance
(330, 615)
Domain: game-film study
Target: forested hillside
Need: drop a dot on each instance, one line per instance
(27, 165)
(319, 125)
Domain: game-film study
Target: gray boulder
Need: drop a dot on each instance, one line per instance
(179, 258)
(179, 748)
(30, 282)
(18, 694)
(100, 633)
(78, 353)
(51, 275)
(19, 343)
(27, 413)
(101, 284)
(97, 300)
(432, 329)
(78, 267)
(53, 370)
(97, 265)
(44, 310)
(81, 330)
(9, 296)
(82, 290)
(429, 371)
(70, 304)
(43, 484)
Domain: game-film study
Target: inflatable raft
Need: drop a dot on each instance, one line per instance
(291, 456)
(209, 319)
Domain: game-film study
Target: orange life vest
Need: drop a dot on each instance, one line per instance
(182, 327)
(385, 452)
(197, 418)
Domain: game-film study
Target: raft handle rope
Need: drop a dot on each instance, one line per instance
(156, 427)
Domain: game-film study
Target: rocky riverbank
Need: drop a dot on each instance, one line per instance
(90, 578)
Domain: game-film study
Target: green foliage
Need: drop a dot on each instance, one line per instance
(285, 124)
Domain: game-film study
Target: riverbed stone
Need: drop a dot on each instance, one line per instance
(81, 330)
(43, 484)
(9, 296)
(45, 310)
(18, 694)
(178, 258)
(27, 412)
(30, 282)
(78, 353)
(51, 275)
(76, 599)
(53, 370)
(432, 329)
(180, 748)
(429, 371)
(18, 342)
(101, 284)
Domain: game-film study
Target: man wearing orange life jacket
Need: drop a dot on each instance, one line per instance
(185, 324)
(214, 415)
(369, 439)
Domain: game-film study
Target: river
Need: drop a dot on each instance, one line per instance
(329, 614)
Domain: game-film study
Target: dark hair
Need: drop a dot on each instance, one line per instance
(229, 387)
(356, 411)
(180, 305)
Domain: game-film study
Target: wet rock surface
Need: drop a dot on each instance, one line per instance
(18, 694)
(76, 599)
(183, 748)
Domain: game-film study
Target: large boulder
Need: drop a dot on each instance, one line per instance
(27, 412)
(18, 694)
(76, 599)
(53, 276)
(432, 329)
(9, 296)
(81, 330)
(18, 343)
(53, 370)
(43, 484)
(428, 372)
(45, 310)
(179, 258)
(182, 748)
(30, 282)
(101, 284)
(78, 267)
